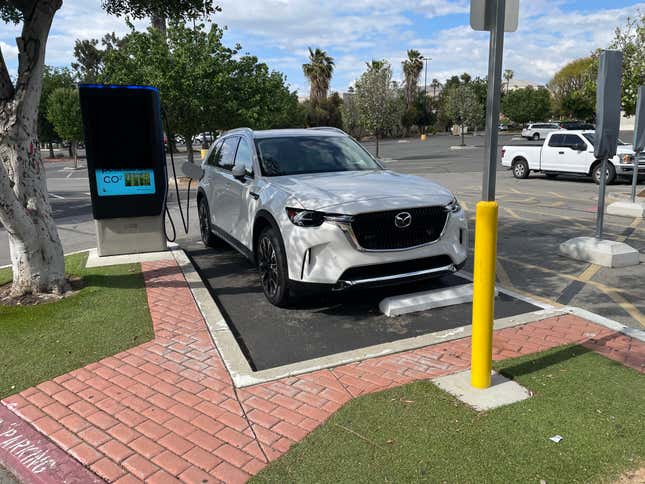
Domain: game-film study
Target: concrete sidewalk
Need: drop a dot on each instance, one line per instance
(167, 410)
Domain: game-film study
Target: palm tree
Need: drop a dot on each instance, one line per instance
(319, 71)
(412, 68)
(508, 75)
(435, 85)
(376, 65)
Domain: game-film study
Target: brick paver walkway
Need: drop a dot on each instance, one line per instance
(167, 410)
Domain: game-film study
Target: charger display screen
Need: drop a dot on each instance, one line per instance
(125, 182)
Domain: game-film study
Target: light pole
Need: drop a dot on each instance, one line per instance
(425, 91)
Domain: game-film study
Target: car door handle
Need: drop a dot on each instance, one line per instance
(561, 152)
(254, 195)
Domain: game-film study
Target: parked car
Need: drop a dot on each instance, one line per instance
(536, 131)
(577, 126)
(204, 138)
(570, 152)
(313, 208)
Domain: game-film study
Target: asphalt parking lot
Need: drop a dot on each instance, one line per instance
(536, 215)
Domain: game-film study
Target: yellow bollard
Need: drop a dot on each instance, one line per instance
(424, 137)
(483, 293)
(203, 153)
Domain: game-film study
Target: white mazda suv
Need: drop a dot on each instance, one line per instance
(313, 207)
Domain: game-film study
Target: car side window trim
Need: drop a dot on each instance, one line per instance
(234, 140)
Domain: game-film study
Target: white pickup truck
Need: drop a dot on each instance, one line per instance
(569, 152)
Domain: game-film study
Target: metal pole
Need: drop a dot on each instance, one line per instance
(425, 82)
(495, 52)
(600, 218)
(486, 219)
(637, 155)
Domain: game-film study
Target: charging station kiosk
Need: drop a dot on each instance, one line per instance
(126, 165)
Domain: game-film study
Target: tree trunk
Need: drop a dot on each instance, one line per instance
(463, 143)
(50, 145)
(158, 22)
(74, 145)
(69, 149)
(189, 148)
(36, 252)
(377, 147)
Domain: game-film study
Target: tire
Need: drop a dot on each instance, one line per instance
(551, 175)
(272, 266)
(205, 229)
(535, 137)
(521, 169)
(611, 173)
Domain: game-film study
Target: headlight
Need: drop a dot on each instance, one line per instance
(624, 159)
(310, 218)
(453, 206)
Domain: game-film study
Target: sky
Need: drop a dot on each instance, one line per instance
(550, 34)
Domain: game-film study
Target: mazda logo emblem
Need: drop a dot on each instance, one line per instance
(402, 220)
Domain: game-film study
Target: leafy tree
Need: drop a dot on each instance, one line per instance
(463, 107)
(527, 104)
(37, 255)
(53, 78)
(64, 113)
(378, 100)
(350, 114)
(191, 68)
(319, 71)
(257, 97)
(579, 105)
(573, 77)
(89, 57)
(631, 40)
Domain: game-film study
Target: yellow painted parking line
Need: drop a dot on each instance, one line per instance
(589, 272)
(627, 306)
(614, 294)
(557, 195)
(464, 205)
(512, 213)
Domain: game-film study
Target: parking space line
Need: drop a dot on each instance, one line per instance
(628, 307)
(589, 272)
(53, 195)
(614, 294)
(512, 213)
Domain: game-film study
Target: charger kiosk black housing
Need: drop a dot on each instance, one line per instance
(126, 165)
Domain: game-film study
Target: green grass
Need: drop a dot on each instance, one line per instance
(108, 315)
(417, 433)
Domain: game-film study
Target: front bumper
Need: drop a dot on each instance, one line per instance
(628, 169)
(325, 255)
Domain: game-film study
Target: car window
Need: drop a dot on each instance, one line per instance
(294, 155)
(214, 155)
(244, 157)
(572, 140)
(227, 153)
(557, 140)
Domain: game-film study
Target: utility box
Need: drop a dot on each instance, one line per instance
(126, 165)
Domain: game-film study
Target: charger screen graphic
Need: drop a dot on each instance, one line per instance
(125, 150)
(125, 182)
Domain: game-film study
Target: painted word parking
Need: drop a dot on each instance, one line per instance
(231, 252)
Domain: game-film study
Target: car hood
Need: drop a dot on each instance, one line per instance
(352, 192)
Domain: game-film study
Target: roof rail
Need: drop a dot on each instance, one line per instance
(329, 128)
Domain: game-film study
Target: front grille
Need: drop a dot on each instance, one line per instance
(378, 231)
(394, 268)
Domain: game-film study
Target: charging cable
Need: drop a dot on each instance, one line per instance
(185, 220)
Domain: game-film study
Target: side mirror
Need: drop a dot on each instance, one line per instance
(580, 147)
(239, 172)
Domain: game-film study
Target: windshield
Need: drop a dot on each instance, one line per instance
(590, 138)
(296, 155)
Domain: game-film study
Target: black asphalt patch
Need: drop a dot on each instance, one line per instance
(570, 292)
(323, 323)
